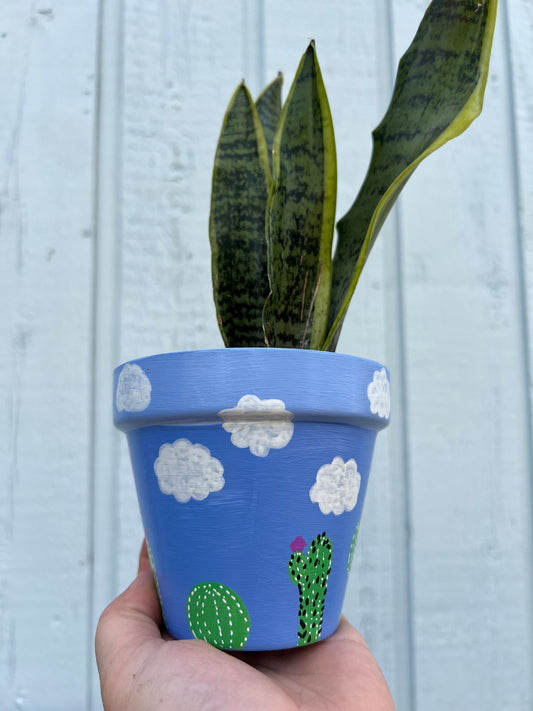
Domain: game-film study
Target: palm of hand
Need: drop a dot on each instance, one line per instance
(141, 670)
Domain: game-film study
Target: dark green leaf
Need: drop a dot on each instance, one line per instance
(301, 214)
(241, 180)
(268, 106)
(438, 92)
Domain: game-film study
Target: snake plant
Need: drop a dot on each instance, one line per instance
(275, 280)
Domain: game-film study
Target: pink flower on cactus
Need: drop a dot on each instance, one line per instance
(298, 545)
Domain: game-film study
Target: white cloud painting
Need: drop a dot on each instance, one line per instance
(337, 485)
(379, 394)
(188, 471)
(260, 425)
(133, 389)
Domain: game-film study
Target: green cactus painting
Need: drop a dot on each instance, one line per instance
(310, 573)
(352, 548)
(218, 615)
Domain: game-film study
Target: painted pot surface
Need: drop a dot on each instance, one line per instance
(251, 467)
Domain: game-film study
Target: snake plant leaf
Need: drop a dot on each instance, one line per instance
(301, 214)
(438, 92)
(268, 105)
(241, 182)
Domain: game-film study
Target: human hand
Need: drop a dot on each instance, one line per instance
(143, 669)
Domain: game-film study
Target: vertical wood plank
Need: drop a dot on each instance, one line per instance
(104, 513)
(518, 18)
(468, 416)
(518, 32)
(46, 143)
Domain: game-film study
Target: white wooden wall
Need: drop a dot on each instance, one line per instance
(110, 112)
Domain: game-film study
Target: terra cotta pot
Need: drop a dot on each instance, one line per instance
(251, 467)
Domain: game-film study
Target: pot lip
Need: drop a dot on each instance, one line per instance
(195, 386)
(261, 353)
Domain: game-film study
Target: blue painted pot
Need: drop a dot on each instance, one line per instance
(251, 467)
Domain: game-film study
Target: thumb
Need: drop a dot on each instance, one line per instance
(131, 620)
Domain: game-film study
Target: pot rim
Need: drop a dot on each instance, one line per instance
(193, 387)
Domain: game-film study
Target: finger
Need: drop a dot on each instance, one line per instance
(144, 558)
(145, 566)
(366, 660)
(347, 630)
(130, 621)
